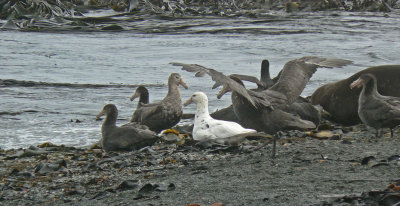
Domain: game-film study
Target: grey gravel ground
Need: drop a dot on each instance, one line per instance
(352, 168)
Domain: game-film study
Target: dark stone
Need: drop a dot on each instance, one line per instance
(43, 168)
(14, 171)
(165, 187)
(365, 160)
(128, 185)
(147, 188)
(113, 27)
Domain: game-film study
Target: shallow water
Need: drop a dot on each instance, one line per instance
(32, 115)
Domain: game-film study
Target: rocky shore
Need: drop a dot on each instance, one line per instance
(334, 165)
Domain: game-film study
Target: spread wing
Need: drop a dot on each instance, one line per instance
(324, 62)
(296, 73)
(218, 77)
(250, 79)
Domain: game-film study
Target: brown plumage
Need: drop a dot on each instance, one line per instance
(143, 95)
(374, 109)
(127, 137)
(300, 107)
(267, 110)
(263, 83)
(342, 102)
(165, 114)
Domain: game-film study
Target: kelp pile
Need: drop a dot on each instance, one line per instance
(22, 14)
(67, 15)
(30, 8)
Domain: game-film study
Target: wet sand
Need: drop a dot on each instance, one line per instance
(306, 171)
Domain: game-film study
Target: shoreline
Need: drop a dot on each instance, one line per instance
(351, 167)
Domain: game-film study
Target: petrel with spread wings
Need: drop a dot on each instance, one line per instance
(267, 110)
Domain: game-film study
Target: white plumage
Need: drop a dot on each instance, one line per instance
(205, 127)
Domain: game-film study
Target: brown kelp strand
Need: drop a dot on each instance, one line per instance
(62, 15)
(21, 83)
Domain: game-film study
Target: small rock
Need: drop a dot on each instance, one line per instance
(42, 168)
(394, 158)
(128, 185)
(165, 187)
(113, 27)
(14, 171)
(366, 160)
(147, 188)
(325, 126)
(28, 153)
(347, 141)
(31, 147)
(390, 199)
(139, 196)
(74, 190)
(161, 187)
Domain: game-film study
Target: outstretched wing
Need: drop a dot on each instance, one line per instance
(324, 62)
(250, 79)
(296, 73)
(218, 77)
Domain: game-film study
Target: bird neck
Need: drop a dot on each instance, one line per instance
(370, 87)
(144, 97)
(265, 77)
(110, 120)
(173, 90)
(202, 110)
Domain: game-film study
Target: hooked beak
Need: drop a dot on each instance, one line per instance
(189, 101)
(134, 96)
(216, 84)
(183, 83)
(100, 114)
(356, 83)
(223, 91)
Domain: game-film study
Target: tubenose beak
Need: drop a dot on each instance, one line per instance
(183, 83)
(100, 114)
(216, 84)
(134, 96)
(223, 91)
(189, 101)
(356, 83)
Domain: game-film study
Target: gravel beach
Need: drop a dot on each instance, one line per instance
(337, 166)
(333, 165)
